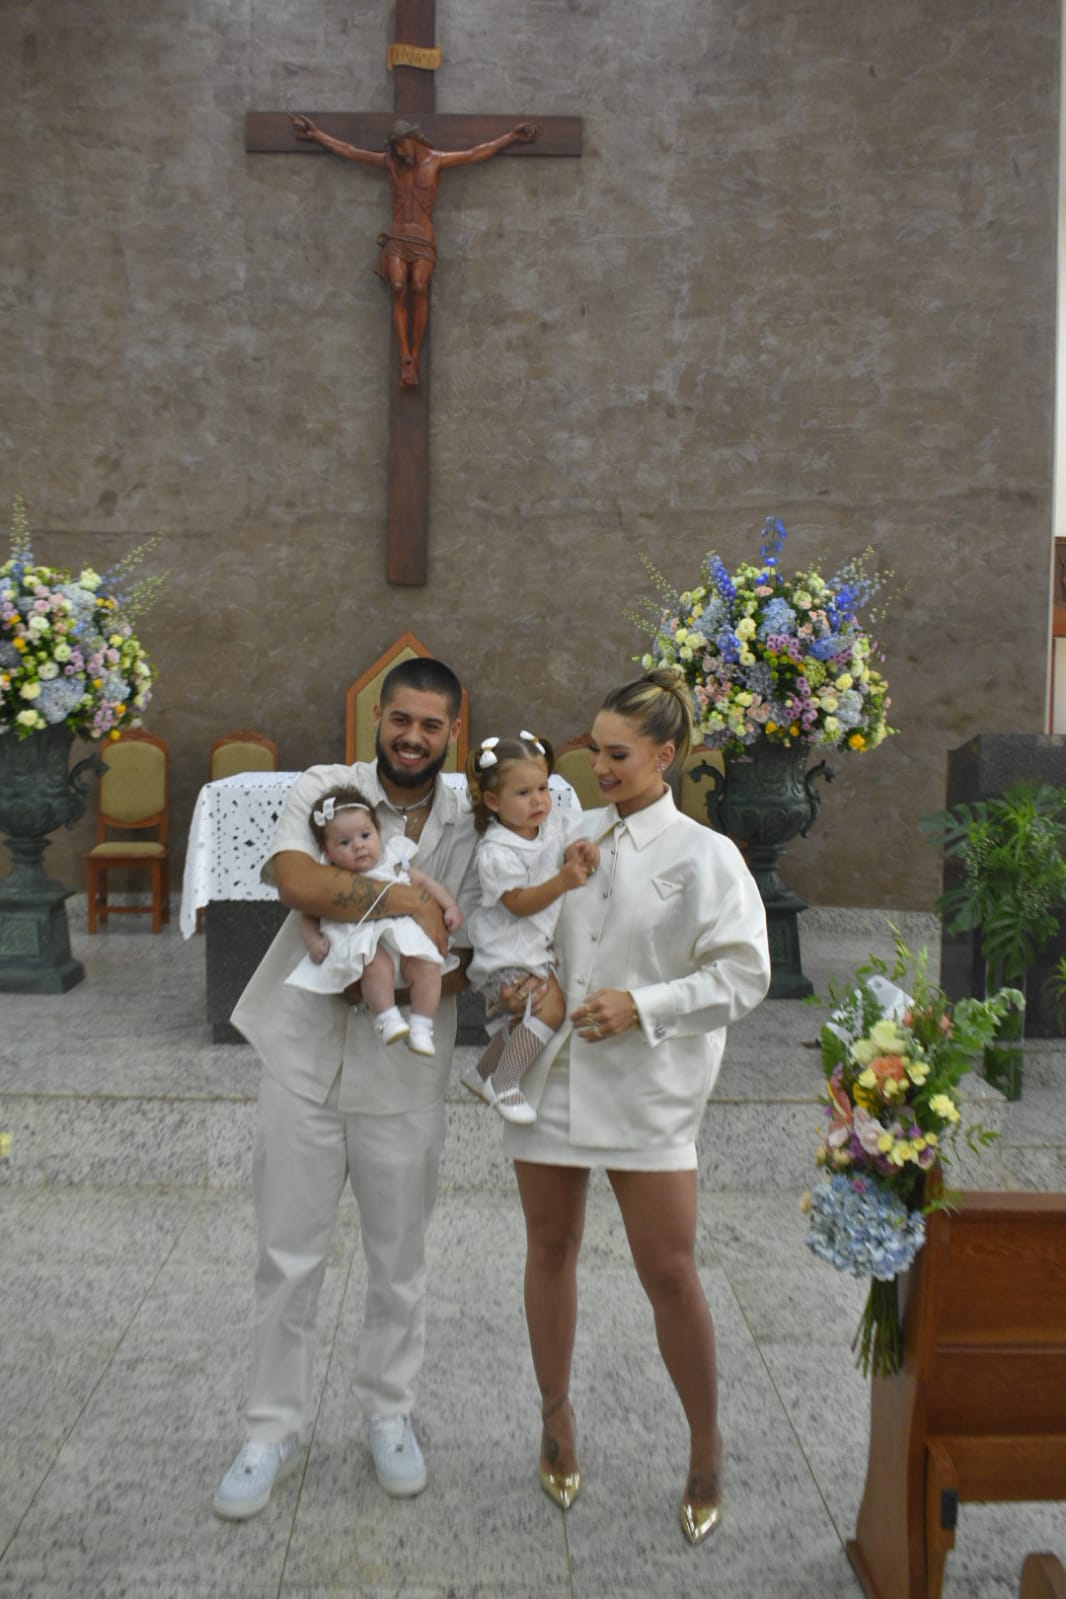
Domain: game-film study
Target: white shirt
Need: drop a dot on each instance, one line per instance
(303, 1038)
(506, 861)
(674, 916)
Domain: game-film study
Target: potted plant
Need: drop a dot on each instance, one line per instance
(780, 667)
(71, 666)
(1009, 888)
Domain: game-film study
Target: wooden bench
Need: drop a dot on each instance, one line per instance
(979, 1411)
(1042, 1578)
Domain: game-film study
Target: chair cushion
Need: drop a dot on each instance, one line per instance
(129, 848)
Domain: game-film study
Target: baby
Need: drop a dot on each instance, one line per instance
(375, 952)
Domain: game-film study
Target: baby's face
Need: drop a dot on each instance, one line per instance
(352, 841)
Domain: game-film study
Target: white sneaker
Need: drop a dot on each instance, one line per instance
(392, 1031)
(397, 1458)
(246, 1487)
(420, 1038)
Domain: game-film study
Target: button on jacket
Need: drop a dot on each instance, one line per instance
(674, 916)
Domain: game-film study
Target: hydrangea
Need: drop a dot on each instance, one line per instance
(753, 645)
(863, 1229)
(68, 653)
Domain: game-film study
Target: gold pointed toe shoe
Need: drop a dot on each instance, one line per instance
(699, 1521)
(561, 1486)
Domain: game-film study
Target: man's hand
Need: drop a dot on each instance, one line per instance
(430, 919)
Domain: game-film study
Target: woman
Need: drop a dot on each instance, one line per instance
(662, 949)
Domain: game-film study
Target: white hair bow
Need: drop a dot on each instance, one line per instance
(487, 753)
(531, 738)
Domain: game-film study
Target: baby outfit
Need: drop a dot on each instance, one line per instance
(508, 946)
(352, 944)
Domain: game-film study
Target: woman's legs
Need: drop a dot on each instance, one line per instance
(659, 1212)
(553, 1200)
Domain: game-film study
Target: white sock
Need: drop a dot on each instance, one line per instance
(388, 1017)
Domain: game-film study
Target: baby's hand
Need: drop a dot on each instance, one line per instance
(318, 948)
(453, 918)
(583, 849)
(575, 872)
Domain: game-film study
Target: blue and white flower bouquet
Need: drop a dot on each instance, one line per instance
(771, 656)
(68, 651)
(893, 1059)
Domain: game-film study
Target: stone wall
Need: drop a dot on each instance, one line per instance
(805, 267)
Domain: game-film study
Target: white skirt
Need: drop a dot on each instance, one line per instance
(546, 1142)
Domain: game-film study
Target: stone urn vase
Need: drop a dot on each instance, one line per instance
(38, 793)
(765, 799)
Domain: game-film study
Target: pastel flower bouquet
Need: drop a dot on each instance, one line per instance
(773, 657)
(893, 1059)
(68, 652)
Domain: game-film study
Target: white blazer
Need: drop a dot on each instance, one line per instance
(674, 916)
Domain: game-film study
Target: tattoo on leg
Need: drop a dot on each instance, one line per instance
(703, 1488)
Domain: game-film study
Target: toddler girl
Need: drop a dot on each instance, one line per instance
(527, 858)
(341, 953)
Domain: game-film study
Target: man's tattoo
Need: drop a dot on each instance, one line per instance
(359, 894)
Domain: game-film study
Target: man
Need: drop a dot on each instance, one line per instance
(335, 1105)
(409, 248)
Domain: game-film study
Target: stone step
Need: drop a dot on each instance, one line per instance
(118, 1083)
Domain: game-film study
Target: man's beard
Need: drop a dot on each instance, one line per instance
(402, 776)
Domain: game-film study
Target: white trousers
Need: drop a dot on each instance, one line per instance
(303, 1155)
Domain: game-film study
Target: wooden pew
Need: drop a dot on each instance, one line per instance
(979, 1411)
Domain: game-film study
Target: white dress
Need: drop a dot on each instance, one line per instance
(352, 944)
(505, 944)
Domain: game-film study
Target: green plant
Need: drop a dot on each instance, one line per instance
(1011, 850)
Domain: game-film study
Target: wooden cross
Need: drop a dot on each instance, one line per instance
(414, 97)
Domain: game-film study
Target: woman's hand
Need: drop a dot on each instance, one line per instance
(604, 1014)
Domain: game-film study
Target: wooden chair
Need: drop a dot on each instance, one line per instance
(133, 798)
(573, 762)
(694, 790)
(361, 697)
(242, 751)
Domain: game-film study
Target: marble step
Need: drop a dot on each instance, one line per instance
(118, 1083)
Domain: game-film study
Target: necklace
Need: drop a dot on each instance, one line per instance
(415, 805)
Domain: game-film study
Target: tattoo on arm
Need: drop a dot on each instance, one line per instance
(359, 894)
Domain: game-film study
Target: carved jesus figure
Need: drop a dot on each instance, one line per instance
(408, 248)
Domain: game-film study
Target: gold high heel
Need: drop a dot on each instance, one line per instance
(699, 1521)
(562, 1487)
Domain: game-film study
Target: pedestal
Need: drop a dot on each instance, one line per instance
(35, 956)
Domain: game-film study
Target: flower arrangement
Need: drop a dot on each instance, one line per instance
(893, 1061)
(68, 652)
(773, 657)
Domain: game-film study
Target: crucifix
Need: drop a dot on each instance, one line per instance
(406, 263)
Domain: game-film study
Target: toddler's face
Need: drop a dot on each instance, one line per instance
(352, 841)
